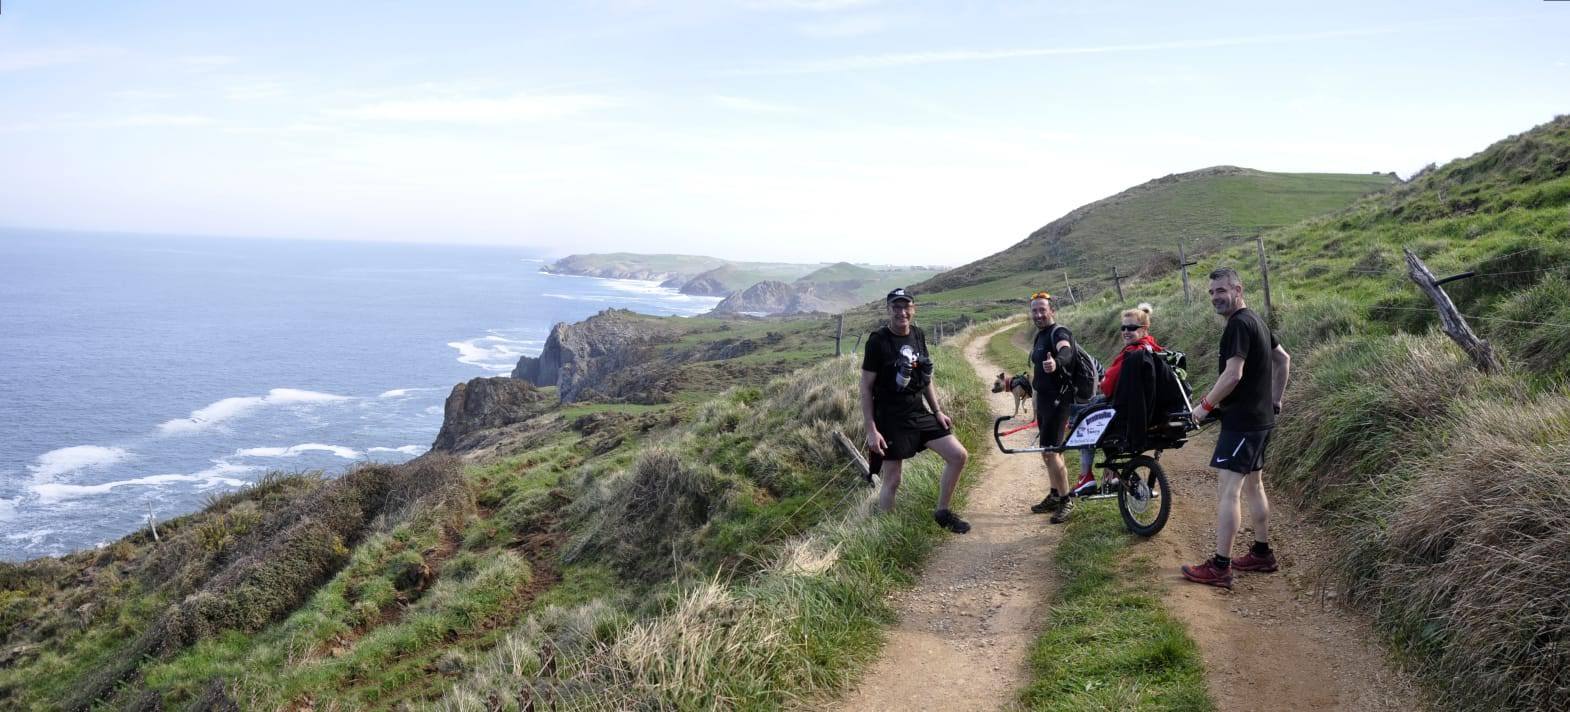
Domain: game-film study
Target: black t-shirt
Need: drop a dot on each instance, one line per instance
(1251, 405)
(902, 366)
(1050, 385)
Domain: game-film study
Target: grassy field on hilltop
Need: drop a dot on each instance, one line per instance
(1139, 229)
(1444, 486)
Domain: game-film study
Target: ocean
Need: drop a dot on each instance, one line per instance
(146, 373)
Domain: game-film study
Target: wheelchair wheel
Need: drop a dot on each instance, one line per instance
(1143, 497)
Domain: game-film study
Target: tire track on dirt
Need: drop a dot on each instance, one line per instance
(966, 627)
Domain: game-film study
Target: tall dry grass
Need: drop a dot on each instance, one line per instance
(1450, 493)
(786, 632)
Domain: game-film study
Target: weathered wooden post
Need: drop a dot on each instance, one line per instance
(1184, 264)
(1264, 278)
(1454, 324)
(1119, 281)
(839, 334)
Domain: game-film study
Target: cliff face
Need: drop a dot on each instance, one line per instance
(608, 355)
(704, 285)
(485, 404)
(769, 297)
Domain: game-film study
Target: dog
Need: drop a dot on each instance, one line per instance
(1019, 385)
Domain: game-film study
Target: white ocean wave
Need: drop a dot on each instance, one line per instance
(33, 538)
(346, 453)
(7, 509)
(66, 460)
(434, 410)
(230, 408)
(584, 297)
(494, 351)
(405, 449)
(219, 474)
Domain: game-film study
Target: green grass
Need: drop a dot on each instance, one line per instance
(1109, 644)
(1004, 349)
(779, 597)
(1140, 228)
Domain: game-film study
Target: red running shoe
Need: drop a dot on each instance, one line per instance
(1085, 486)
(1208, 573)
(1254, 562)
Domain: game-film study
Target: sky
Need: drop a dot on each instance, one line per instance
(804, 130)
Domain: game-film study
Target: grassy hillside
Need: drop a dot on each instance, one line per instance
(1445, 486)
(607, 264)
(631, 556)
(1139, 229)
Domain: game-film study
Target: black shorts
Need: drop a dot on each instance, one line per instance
(1052, 420)
(905, 435)
(1241, 451)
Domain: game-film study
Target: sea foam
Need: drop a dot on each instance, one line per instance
(66, 460)
(405, 449)
(346, 453)
(230, 408)
(219, 474)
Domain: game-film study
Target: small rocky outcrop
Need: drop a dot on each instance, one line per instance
(609, 355)
(485, 404)
(768, 297)
(705, 285)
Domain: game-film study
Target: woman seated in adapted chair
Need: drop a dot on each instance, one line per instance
(1136, 336)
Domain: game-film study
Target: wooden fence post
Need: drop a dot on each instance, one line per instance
(1454, 324)
(1264, 278)
(1068, 288)
(1119, 281)
(839, 334)
(1184, 264)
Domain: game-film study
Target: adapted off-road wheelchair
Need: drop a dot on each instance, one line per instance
(1149, 413)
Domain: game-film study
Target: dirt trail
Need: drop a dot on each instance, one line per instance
(1269, 644)
(966, 627)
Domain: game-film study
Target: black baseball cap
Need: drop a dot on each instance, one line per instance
(897, 294)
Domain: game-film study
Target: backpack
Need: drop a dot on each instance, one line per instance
(1086, 372)
(1177, 362)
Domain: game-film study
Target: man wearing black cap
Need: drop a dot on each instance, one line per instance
(900, 408)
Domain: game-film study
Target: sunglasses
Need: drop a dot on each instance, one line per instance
(1132, 327)
(1040, 295)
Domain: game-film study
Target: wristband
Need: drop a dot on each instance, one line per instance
(1206, 404)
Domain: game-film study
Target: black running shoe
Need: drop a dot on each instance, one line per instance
(1065, 506)
(947, 520)
(1050, 504)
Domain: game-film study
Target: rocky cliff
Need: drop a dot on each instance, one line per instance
(610, 355)
(770, 297)
(486, 404)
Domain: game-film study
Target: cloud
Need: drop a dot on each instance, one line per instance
(255, 90)
(810, 5)
(906, 59)
(137, 120)
(753, 106)
(209, 60)
(854, 26)
(521, 107)
(22, 59)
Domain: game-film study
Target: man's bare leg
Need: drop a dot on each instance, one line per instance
(954, 459)
(891, 474)
(1228, 484)
(1057, 472)
(1258, 505)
